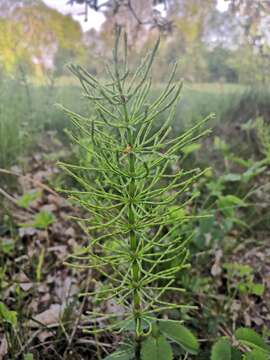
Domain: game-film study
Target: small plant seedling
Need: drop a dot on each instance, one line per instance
(42, 220)
(26, 199)
(130, 203)
(7, 246)
(241, 279)
(8, 316)
(9, 322)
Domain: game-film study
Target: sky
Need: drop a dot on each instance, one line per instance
(95, 19)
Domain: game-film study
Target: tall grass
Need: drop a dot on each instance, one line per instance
(201, 99)
(26, 113)
(14, 122)
(23, 119)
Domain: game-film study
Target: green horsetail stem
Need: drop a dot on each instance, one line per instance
(128, 189)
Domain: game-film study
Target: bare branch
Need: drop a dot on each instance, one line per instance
(114, 7)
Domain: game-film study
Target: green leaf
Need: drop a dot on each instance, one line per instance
(221, 144)
(257, 355)
(177, 212)
(250, 338)
(231, 200)
(215, 187)
(249, 125)
(256, 289)
(231, 177)
(28, 356)
(238, 269)
(121, 354)
(43, 220)
(252, 172)
(8, 315)
(236, 354)
(7, 245)
(181, 335)
(239, 161)
(188, 149)
(227, 204)
(156, 349)
(221, 350)
(26, 199)
(130, 325)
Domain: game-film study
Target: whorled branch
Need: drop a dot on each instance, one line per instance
(134, 242)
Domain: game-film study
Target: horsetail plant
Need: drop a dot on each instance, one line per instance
(132, 223)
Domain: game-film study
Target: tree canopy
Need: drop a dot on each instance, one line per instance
(33, 34)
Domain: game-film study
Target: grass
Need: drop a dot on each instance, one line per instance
(26, 113)
(14, 116)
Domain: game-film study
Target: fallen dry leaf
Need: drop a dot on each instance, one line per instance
(49, 208)
(70, 232)
(21, 278)
(48, 317)
(216, 268)
(27, 231)
(3, 347)
(44, 335)
(23, 281)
